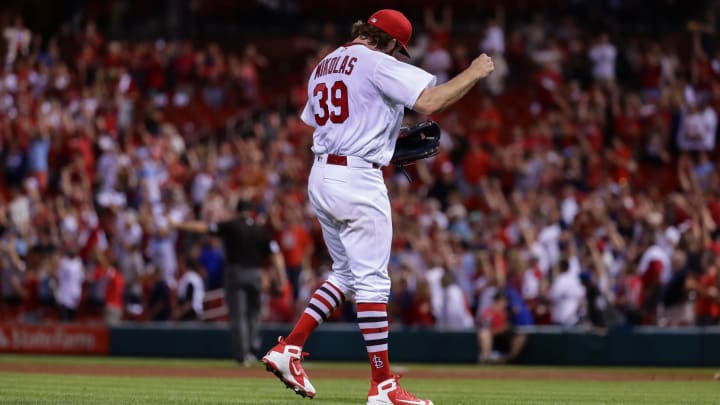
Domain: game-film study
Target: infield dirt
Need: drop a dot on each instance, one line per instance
(487, 373)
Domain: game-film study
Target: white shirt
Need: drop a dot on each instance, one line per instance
(697, 130)
(128, 233)
(152, 174)
(653, 253)
(108, 166)
(70, 279)
(450, 309)
(18, 39)
(549, 238)
(530, 285)
(569, 209)
(438, 62)
(448, 303)
(190, 277)
(356, 101)
(434, 279)
(567, 294)
(494, 41)
(603, 58)
(201, 185)
(20, 211)
(538, 251)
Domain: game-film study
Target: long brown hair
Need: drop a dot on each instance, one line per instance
(374, 35)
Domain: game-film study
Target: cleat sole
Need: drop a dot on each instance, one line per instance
(299, 391)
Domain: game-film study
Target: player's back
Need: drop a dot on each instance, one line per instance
(356, 99)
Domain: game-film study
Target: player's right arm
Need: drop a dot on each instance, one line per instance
(191, 226)
(437, 98)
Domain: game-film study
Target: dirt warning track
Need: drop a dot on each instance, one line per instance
(486, 373)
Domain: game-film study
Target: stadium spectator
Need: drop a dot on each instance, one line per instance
(70, 277)
(18, 39)
(159, 306)
(707, 309)
(603, 55)
(296, 244)
(107, 286)
(497, 340)
(567, 295)
(449, 307)
(190, 293)
(493, 43)
(212, 260)
(675, 308)
(13, 268)
(699, 125)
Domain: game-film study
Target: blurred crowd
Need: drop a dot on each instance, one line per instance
(579, 182)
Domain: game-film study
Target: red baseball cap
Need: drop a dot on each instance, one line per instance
(395, 24)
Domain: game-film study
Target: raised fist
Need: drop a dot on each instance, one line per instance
(483, 66)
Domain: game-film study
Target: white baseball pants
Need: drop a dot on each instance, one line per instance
(352, 205)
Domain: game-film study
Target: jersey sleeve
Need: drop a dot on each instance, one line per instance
(307, 115)
(401, 82)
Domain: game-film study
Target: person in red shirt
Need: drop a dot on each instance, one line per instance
(419, 313)
(707, 306)
(651, 71)
(623, 164)
(114, 284)
(629, 124)
(114, 295)
(280, 296)
(629, 296)
(548, 83)
(488, 122)
(476, 163)
(296, 246)
(496, 333)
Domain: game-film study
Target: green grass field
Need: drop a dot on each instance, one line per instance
(34, 384)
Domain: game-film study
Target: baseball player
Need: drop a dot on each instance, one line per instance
(356, 99)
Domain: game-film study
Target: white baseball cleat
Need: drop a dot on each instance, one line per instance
(389, 392)
(283, 360)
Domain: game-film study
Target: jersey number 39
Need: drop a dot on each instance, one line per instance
(338, 98)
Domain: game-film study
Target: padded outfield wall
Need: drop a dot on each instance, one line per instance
(644, 346)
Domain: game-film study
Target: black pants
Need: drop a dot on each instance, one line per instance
(293, 275)
(67, 314)
(242, 297)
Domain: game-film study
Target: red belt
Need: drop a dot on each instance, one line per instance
(341, 160)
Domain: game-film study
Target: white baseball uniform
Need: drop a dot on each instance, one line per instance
(356, 101)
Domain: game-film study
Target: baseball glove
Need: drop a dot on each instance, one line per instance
(419, 141)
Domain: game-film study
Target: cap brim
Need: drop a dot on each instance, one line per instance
(404, 50)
